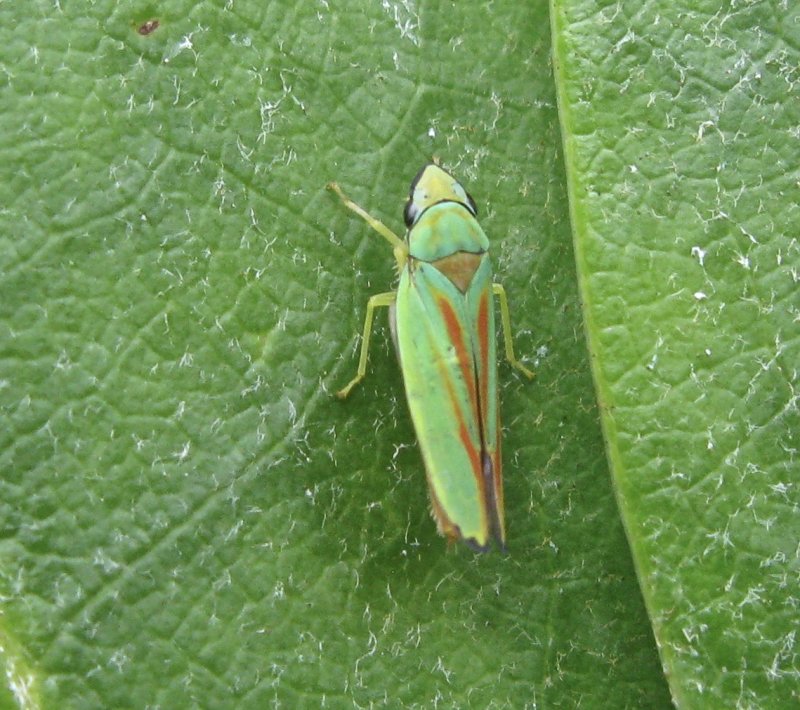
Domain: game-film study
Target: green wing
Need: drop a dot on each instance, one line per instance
(445, 340)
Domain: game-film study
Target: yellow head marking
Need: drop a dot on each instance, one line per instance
(432, 185)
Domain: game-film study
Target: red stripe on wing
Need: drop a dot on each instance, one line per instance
(445, 524)
(483, 346)
(495, 476)
(490, 484)
(463, 353)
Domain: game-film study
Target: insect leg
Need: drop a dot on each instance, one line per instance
(376, 224)
(500, 292)
(377, 301)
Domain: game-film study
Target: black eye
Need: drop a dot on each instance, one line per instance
(409, 213)
(471, 204)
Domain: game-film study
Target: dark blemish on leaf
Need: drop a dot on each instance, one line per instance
(147, 27)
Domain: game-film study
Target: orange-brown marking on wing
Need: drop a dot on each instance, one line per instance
(493, 478)
(483, 347)
(497, 464)
(444, 525)
(459, 268)
(456, 333)
(443, 522)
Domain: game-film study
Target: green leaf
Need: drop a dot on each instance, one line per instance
(188, 517)
(680, 126)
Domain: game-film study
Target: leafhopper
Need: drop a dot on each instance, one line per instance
(442, 319)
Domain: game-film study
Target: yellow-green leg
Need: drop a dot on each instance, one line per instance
(500, 292)
(399, 247)
(379, 300)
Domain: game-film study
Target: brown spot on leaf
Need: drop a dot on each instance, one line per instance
(147, 27)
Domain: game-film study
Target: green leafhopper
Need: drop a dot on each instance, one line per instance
(442, 318)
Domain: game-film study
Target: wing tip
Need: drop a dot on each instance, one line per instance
(490, 545)
(495, 537)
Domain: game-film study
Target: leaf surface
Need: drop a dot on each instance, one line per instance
(680, 125)
(188, 517)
